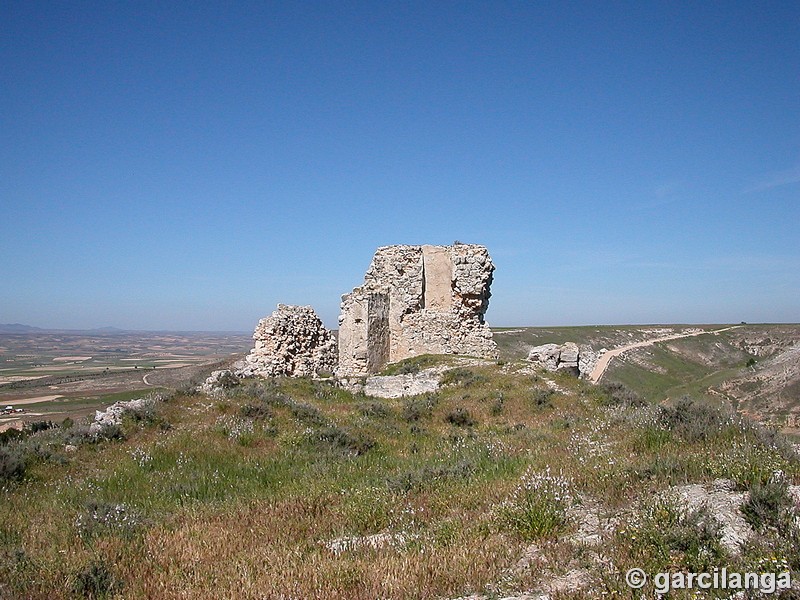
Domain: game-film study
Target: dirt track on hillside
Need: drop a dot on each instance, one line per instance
(605, 359)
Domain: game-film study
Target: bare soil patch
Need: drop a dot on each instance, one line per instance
(36, 399)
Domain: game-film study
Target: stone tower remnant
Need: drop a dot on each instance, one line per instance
(417, 300)
(291, 342)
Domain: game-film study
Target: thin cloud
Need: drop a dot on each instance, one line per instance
(664, 194)
(725, 263)
(752, 262)
(779, 179)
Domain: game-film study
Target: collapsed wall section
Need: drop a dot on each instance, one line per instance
(433, 299)
(291, 342)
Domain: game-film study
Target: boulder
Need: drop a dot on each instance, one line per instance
(546, 355)
(569, 356)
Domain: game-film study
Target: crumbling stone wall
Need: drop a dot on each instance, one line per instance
(364, 330)
(291, 342)
(417, 300)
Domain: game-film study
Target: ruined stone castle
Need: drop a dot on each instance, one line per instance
(414, 300)
(417, 300)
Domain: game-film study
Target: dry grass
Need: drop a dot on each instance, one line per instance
(219, 505)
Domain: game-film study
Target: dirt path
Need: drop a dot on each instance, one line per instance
(605, 360)
(144, 380)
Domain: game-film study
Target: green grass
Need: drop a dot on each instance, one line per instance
(240, 497)
(76, 406)
(669, 374)
(415, 364)
(516, 343)
(126, 395)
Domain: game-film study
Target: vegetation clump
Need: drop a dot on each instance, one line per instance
(542, 397)
(694, 421)
(237, 429)
(418, 408)
(498, 405)
(666, 533)
(378, 410)
(768, 505)
(413, 365)
(100, 517)
(429, 476)
(307, 414)
(258, 412)
(538, 507)
(460, 417)
(94, 582)
(266, 391)
(343, 439)
(618, 394)
(463, 377)
(12, 463)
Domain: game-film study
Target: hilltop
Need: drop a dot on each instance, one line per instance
(507, 481)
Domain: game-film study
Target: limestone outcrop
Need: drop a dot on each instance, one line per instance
(112, 415)
(546, 355)
(417, 300)
(398, 386)
(587, 359)
(291, 342)
(219, 381)
(569, 356)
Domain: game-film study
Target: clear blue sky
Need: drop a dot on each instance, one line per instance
(170, 165)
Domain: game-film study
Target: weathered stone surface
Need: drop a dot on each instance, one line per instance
(568, 356)
(112, 416)
(725, 504)
(218, 381)
(417, 300)
(398, 386)
(406, 384)
(587, 359)
(291, 342)
(547, 355)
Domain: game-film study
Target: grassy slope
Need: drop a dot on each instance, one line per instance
(688, 366)
(515, 342)
(684, 366)
(238, 497)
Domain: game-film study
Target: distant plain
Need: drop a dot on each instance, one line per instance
(59, 374)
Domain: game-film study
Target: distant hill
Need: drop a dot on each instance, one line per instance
(17, 328)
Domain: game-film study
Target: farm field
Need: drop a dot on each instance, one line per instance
(55, 375)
